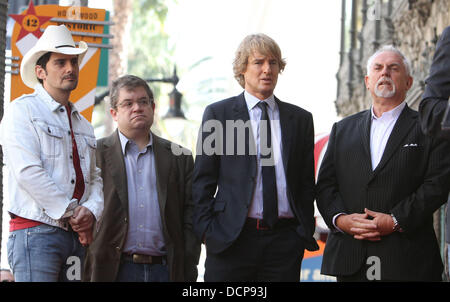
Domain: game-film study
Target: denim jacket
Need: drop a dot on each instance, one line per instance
(37, 144)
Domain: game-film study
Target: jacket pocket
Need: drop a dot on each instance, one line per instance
(91, 142)
(51, 139)
(87, 154)
(10, 249)
(87, 146)
(86, 151)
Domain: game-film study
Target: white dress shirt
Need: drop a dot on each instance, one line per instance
(381, 130)
(256, 207)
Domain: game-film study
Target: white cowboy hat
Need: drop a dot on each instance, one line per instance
(54, 39)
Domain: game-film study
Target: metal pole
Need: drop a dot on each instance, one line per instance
(341, 54)
(3, 16)
(361, 41)
(376, 42)
(342, 50)
(352, 48)
(390, 7)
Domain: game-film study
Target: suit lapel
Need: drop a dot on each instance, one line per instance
(162, 167)
(114, 160)
(287, 131)
(401, 129)
(240, 109)
(240, 112)
(364, 131)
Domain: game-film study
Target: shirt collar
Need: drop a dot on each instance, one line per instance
(252, 101)
(73, 110)
(51, 103)
(124, 141)
(391, 114)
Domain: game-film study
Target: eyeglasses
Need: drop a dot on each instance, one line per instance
(130, 104)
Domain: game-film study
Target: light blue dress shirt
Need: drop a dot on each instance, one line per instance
(256, 207)
(145, 235)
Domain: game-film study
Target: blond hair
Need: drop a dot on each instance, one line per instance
(255, 42)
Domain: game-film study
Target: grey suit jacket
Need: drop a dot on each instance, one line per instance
(174, 196)
(411, 181)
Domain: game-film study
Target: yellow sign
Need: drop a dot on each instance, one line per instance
(82, 22)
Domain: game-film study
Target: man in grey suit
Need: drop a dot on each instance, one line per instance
(435, 101)
(146, 230)
(259, 222)
(380, 182)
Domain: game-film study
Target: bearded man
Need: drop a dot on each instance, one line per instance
(380, 182)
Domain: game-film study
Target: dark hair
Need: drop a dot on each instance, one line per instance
(42, 61)
(130, 82)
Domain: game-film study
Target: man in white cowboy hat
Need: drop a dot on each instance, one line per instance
(55, 188)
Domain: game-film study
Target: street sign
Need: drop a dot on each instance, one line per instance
(86, 24)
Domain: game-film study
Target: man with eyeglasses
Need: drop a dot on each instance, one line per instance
(145, 234)
(380, 182)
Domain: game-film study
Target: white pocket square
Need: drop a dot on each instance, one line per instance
(410, 145)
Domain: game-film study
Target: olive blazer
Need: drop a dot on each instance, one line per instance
(174, 196)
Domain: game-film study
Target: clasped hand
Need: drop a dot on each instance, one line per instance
(370, 225)
(81, 222)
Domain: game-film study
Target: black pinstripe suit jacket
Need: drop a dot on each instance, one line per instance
(411, 181)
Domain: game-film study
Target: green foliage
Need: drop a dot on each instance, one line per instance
(159, 7)
(150, 55)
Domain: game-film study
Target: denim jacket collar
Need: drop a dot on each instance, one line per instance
(51, 103)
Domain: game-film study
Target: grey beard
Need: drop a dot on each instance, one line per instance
(385, 93)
